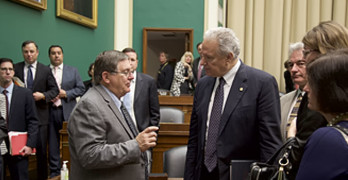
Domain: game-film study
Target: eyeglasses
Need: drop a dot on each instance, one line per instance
(299, 63)
(306, 52)
(125, 73)
(6, 69)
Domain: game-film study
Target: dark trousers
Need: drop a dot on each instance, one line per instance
(18, 166)
(206, 175)
(41, 153)
(56, 123)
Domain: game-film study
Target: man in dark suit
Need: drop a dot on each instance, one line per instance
(165, 73)
(21, 117)
(198, 70)
(236, 111)
(144, 105)
(40, 80)
(70, 87)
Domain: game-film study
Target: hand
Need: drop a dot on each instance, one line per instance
(292, 129)
(55, 99)
(147, 138)
(26, 151)
(38, 96)
(62, 93)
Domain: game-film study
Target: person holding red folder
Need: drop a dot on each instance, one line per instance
(21, 116)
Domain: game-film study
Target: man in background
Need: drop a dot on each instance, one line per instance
(198, 69)
(40, 80)
(236, 111)
(165, 72)
(21, 117)
(70, 87)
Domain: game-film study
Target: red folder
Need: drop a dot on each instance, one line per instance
(17, 141)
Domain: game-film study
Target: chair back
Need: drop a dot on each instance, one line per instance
(171, 115)
(174, 161)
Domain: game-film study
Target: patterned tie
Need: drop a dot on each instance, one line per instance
(210, 158)
(131, 125)
(59, 101)
(199, 74)
(294, 111)
(5, 93)
(30, 78)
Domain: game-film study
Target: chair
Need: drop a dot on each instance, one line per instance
(171, 115)
(174, 161)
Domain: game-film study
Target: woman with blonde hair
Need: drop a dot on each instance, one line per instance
(183, 76)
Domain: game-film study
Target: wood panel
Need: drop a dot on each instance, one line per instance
(183, 103)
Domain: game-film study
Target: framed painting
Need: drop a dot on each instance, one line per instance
(37, 4)
(84, 12)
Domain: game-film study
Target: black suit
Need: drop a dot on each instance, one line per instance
(146, 105)
(22, 118)
(45, 83)
(307, 122)
(165, 76)
(249, 125)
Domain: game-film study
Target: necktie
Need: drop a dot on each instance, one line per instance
(199, 74)
(210, 158)
(132, 127)
(294, 111)
(5, 93)
(58, 102)
(30, 78)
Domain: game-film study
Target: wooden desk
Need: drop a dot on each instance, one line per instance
(170, 135)
(183, 103)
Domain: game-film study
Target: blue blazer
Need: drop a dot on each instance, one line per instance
(249, 126)
(73, 85)
(23, 115)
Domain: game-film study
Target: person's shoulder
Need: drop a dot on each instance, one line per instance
(22, 90)
(145, 76)
(289, 95)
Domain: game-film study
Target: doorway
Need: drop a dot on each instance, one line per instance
(174, 41)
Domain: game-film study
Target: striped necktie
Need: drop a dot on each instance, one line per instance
(294, 111)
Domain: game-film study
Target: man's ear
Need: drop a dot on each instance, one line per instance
(230, 56)
(106, 77)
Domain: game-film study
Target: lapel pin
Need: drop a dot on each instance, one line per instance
(241, 89)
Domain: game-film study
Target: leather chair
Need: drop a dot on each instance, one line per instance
(171, 115)
(174, 161)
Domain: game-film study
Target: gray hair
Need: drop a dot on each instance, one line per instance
(228, 41)
(107, 61)
(294, 47)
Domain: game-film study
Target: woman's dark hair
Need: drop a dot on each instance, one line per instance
(327, 78)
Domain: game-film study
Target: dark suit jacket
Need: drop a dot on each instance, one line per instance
(23, 116)
(249, 126)
(45, 83)
(195, 70)
(73, 85)
(146, 105)
(307, 122)
(165, 76)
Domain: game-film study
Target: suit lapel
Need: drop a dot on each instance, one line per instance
(115, 110)
(13, 100)
(239, 87)
(138, 87)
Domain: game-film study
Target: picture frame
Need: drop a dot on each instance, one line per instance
(84, 12)
(36, 4)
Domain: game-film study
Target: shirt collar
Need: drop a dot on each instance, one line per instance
(33, 65)
(9, 88)
(229, 76)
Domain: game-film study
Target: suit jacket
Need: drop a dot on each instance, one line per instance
(73, 85)
(45, 83)
(165, 76)
(100, 142)
(285, 106)
(249, 125)
(195, 70)
(146, 105)
(23, 115)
